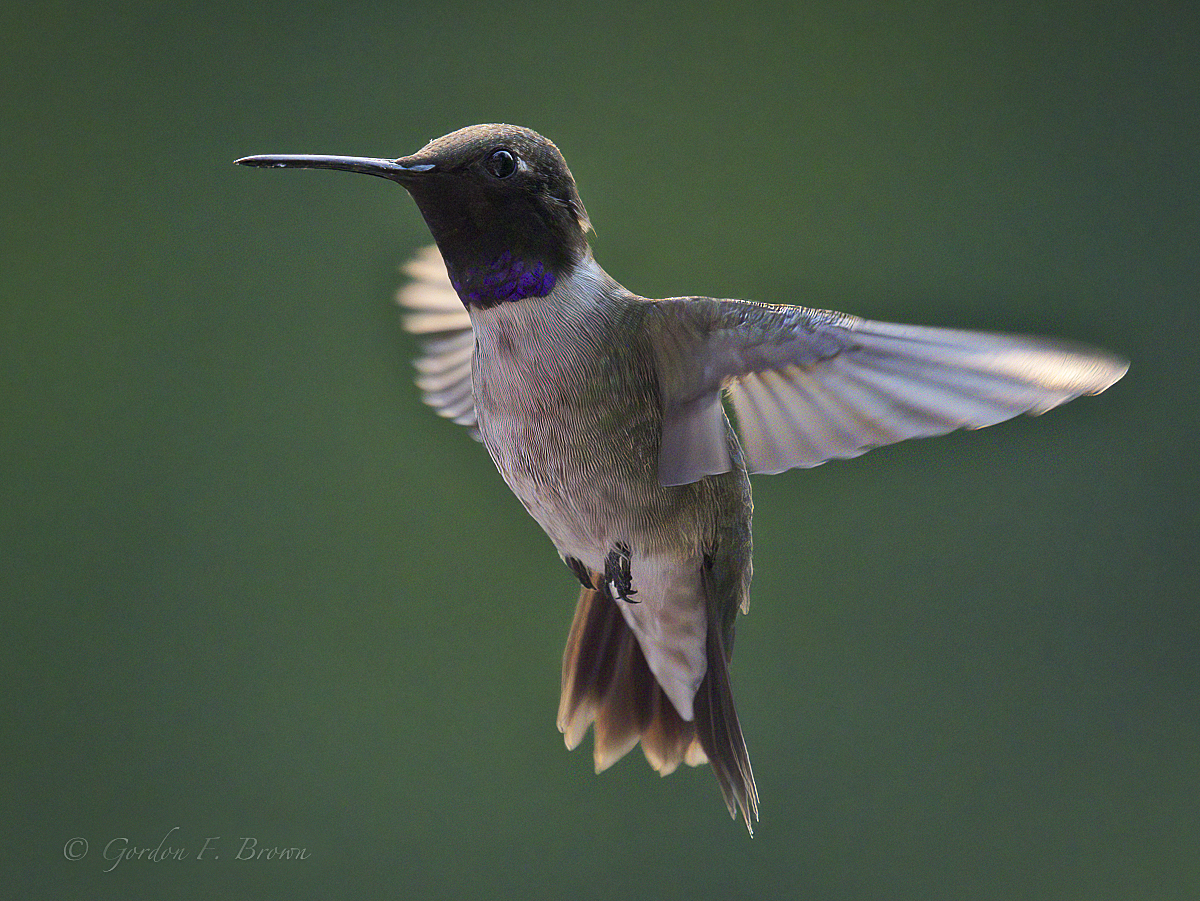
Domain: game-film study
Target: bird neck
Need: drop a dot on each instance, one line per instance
(500, 248)
(501, 278)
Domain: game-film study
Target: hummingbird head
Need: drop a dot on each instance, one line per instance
(499, 200)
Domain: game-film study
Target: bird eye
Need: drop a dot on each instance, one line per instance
(502, 164)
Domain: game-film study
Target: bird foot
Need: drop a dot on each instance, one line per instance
(617, 574)
(582, 573)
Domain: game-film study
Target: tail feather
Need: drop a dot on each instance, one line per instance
(588, 664)
(621, 716)
(718, 729)
(668, 739)
(606, 681)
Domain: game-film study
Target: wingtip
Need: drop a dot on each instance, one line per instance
(1118, 369)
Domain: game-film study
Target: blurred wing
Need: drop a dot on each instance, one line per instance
(814, 385)
(434, 312)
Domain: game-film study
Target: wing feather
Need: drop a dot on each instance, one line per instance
(808, 386)
(434, 312)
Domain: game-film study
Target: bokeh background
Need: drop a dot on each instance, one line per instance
(253, 589)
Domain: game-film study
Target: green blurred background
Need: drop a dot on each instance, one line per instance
(253, 589)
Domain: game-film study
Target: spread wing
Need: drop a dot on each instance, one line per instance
(809, 385)
(434, 312)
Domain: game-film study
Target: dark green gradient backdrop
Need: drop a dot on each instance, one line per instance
(252, 589)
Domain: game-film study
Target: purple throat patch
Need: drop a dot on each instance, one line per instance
(508, 278)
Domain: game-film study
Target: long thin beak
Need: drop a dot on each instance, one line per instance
(390, 169)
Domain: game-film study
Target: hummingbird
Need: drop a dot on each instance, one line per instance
(608, 414)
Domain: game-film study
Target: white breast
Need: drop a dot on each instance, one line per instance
(568, 408)
(538, 363)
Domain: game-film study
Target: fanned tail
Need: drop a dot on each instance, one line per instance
(607, 682)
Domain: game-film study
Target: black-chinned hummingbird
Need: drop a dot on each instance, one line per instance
(604, 413)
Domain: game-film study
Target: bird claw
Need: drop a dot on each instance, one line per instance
(582, 573)
(618, 576)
